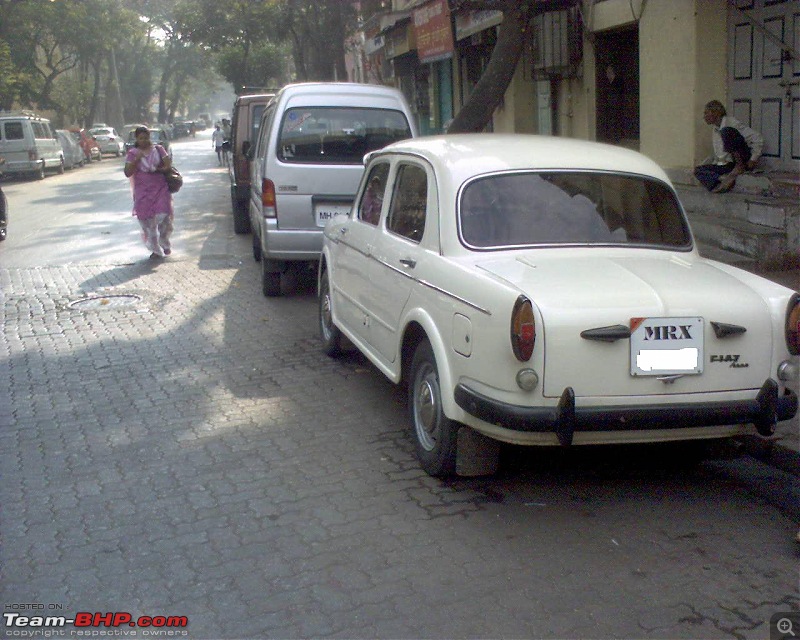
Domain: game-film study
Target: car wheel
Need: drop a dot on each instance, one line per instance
(256, 248)
(435, 434)
(241, 217)
(270, 280)
(331, 336)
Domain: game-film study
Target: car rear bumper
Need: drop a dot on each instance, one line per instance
(565, 419)
(291, 244)
(22, 166)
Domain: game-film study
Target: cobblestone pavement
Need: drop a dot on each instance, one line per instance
(178, 445)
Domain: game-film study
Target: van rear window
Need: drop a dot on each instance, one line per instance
(13, 130)
(338, 135)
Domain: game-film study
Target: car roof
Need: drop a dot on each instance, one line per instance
(255, 97)
(471, 154)
(332, 89)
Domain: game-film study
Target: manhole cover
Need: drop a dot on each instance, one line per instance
(100, 302)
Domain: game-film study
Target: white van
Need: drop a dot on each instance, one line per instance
(307, 164)
(29, 145)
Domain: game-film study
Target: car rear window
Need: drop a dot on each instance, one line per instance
(338, 135)
(556, 208)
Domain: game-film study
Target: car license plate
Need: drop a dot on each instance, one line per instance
(666, 346)
(325, 211)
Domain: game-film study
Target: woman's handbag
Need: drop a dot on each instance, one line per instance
(174, 180)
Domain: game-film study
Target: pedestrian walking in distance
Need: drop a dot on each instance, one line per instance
(146, 165)
(217, 140)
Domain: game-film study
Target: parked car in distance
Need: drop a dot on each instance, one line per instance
(157, 136)
(308, 162)
(247, 112)
(91, 150)
(73, 154)
(128, 127)
(547, 291)
(29, 144)
(109, 140)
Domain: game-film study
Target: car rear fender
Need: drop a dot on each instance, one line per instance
(418, 325)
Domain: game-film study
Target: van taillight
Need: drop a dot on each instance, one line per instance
(793, 326)
(269, 209)
(523, 329)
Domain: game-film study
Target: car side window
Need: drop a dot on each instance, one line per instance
(369, 209)
(14, 131)
(409, 203)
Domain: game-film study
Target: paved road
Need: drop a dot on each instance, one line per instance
(177, 445)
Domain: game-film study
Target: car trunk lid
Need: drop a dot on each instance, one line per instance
(588, 294)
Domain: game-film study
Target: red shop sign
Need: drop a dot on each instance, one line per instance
(434, 31)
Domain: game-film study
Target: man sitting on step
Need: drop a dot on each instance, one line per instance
(737, 149)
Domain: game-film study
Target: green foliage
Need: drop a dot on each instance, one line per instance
(74, 57)
(9, 78)
(261, 66)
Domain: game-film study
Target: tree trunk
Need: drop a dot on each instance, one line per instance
(487, 94)
(513, 34)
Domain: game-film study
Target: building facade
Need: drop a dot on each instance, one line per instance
(635, 73)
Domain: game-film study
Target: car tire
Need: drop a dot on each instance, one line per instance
(270, 280)
(331, 336)
(241, 217)
(435, 435)
(256, 248)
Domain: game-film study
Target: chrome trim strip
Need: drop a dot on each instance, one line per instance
(425, 283)
(455, 297)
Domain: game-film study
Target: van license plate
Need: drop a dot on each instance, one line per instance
(325, 211)
(666, 346)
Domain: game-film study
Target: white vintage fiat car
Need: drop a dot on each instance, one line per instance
(547, 291)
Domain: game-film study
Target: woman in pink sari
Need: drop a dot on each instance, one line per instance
(146, 164)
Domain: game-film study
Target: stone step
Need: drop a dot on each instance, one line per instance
(766, 245)
(776, 213)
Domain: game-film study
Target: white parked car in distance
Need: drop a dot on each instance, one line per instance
(548, 291)
(108, 139)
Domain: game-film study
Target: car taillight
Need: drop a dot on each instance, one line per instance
(523, 329)
(793, 326)
(268, 199)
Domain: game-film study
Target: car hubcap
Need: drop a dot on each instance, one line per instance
(427, 409)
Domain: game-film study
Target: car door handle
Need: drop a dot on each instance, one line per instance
(342, 230)
(408, 262)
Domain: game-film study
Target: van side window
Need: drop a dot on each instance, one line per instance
(369, 210)
(409, 203)
(264, 127)
(14, 131)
